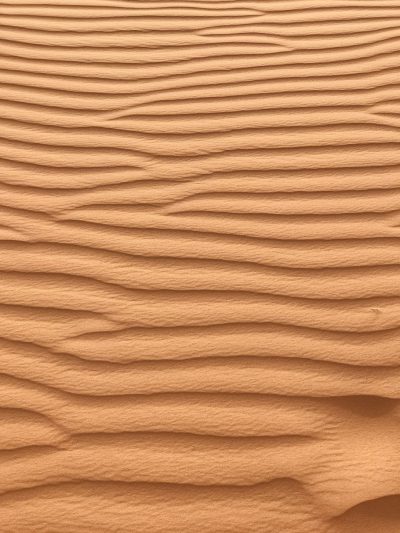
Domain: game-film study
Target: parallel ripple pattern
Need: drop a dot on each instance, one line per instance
(200, 266)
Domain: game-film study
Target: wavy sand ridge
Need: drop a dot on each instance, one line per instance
(200, 266)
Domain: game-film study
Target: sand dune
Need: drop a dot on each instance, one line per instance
(200, 266)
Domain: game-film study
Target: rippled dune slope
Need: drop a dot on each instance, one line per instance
(200, 266)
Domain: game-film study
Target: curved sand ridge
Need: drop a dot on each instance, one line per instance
(200, 266)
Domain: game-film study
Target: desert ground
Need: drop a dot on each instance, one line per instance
(200, 266)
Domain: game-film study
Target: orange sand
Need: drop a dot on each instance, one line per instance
(200, 280)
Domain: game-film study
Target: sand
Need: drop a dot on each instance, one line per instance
(200, 266)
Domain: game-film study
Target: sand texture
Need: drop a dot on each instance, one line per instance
(200, 266)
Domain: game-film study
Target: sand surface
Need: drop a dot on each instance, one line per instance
(200, 266)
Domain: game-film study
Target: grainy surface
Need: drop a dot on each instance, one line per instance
(200, 266)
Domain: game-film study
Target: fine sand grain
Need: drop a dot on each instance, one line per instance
(200, 266)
